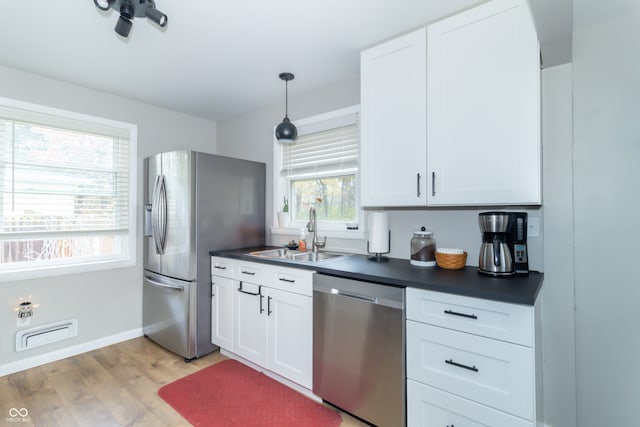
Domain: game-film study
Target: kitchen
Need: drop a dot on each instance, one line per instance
(580, 372)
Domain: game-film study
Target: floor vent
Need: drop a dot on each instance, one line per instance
(46, 334)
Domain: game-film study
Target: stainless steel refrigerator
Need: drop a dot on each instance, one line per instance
(193, 203)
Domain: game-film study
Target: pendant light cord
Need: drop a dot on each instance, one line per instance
(286, 98)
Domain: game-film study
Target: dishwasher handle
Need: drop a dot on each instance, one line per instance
(367, 298)
(367, 292)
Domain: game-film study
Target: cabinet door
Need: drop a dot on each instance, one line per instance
(250, 324)
(483, 107)
(290, 336)
(393, 125)
(223, 291)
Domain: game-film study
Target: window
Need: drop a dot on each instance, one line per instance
(67, 192)
(321, 170)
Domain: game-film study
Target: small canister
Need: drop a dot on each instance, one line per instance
(423, 248)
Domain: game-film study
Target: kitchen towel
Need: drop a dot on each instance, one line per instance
(379, 232)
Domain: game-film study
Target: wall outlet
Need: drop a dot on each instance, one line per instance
(533, 227)
(23, 321)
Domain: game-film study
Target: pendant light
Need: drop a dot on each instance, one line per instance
(286, 132)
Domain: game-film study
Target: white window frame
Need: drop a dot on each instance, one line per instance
(317, 123)
(98, 263)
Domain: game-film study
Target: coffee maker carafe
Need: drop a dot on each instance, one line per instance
(504, 244)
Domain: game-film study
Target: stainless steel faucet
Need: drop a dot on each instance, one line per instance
(312, 226)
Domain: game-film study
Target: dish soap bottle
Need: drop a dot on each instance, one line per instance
(302, 244)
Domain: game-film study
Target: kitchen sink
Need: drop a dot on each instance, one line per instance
(285, 254)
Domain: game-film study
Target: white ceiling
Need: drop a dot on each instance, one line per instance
(221, 58)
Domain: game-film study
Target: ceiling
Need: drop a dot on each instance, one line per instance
(219, 59)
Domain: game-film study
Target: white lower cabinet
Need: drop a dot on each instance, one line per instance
(222, 305)
(289, 338)
(430, 407)
(250, 324)
(264, 315)
(458, 372)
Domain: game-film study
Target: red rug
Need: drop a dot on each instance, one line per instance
(230, 394)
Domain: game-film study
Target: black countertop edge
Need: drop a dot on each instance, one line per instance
(399, 272)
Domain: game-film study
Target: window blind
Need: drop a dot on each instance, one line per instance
(61, 176)
(322, 151)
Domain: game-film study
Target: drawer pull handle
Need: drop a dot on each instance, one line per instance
(250, 273)
(219, 267)
(460, 365)
(455, 313)
(282, 279)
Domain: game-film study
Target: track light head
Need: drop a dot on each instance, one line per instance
(123, 26)
(156, 16)
(103, 4)
(127, 10)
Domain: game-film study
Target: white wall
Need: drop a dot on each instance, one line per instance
(606, 174)
(557, 296)
(105, 303)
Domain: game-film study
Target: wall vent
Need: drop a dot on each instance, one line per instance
(46, 334)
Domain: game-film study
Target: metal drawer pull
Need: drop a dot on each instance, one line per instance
(455, 313)
(261, 309)
(460, 365)
(287, 280)
(269, 311)
(219, 267)
(250, 273)
(248, 293)
(418, 185)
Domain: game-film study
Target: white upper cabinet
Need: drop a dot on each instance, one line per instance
(483, 107)
(393, 126)
(451, 113)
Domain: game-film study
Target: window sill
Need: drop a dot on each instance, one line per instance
(35, 272)
(335, 234)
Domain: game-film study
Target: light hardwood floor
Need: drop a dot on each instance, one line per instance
(112, 386)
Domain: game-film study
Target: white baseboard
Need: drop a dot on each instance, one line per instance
(42, 359)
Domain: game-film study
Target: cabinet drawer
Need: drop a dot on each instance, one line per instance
(222, 267)
(490, 372)
(293, 280)
(252, 272)
(492, 319)
(430, 407)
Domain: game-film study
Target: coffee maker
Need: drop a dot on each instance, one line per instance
(504, 244)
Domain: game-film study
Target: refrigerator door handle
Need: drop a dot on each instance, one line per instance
(163, 214)
(164, 285)
(154, 214)
(159, 214)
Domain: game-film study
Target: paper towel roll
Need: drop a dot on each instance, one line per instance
(378, 232)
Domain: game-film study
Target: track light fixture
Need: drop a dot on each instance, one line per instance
(129, 9)
(286, 132)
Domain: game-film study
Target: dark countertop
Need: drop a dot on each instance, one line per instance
(399, 272)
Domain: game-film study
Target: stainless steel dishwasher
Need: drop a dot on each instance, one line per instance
(358, 350)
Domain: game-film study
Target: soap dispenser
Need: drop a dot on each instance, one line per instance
(302, 243)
